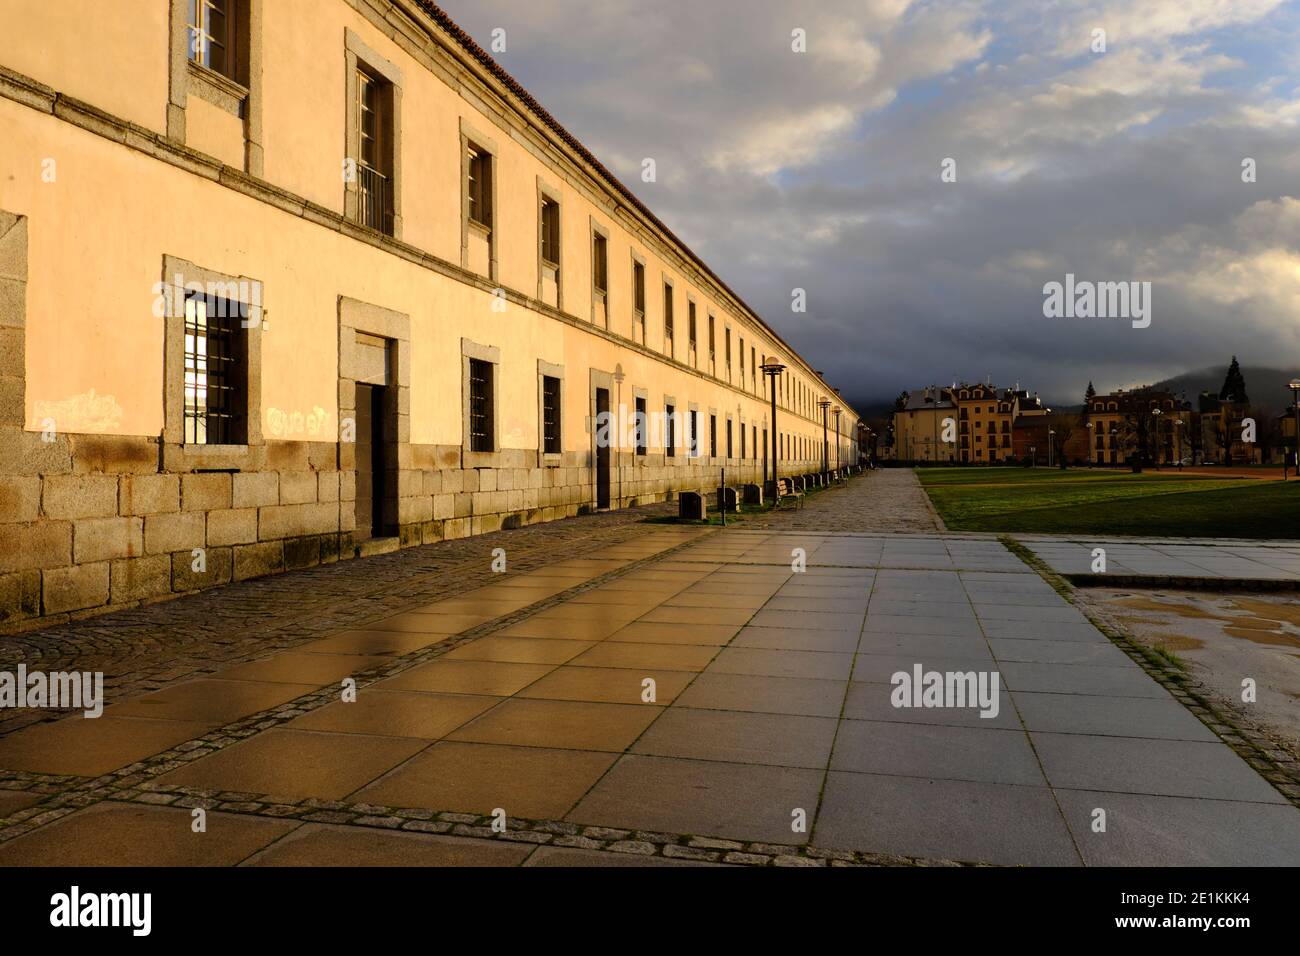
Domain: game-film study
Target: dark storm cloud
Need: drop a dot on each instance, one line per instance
(822, 170)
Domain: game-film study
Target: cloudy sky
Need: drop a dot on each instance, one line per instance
(822, 170)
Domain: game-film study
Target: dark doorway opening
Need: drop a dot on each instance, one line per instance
(604, 436)
(373, 473)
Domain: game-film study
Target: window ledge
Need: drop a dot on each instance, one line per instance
(217, 89)
(550, 460)
(189, 458)
(205, 449)
(480, 459)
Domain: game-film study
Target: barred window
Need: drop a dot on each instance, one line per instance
(374, 153)
(713, 436)
(481, 437)
(550, 415)
(691, 323)
(641, 427)
(670, 431)
(216, 373)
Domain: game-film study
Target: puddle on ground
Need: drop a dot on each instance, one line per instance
(1262, 621)
(1169, 640)
(1223, 637)
(1277, 639)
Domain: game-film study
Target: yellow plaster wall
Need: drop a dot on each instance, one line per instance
(112, 53)
(99, 232)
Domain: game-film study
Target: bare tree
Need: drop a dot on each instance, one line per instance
(1063, 426)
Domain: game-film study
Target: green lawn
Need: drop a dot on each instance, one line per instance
(1112, 502)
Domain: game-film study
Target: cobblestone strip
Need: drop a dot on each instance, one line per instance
(675, 846)
(885, 500)
(1270, 757)
(66, 794)
(145, 649)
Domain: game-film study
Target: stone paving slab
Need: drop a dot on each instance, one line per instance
(775, 733)
(1273, 561)
(1154, 827)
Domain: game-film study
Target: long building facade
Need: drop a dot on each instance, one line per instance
(289, 281)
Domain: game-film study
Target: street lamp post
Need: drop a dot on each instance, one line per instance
(1092, 445)
(772, 368)
(836, 412)
(1050, 435)
(1294, 385)
(1156, 455)
(824, 404)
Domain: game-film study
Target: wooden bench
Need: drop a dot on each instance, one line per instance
(785, 490)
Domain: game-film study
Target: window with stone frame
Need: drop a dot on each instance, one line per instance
(551, 232)
(216, 372)
(478, 185)
(217, 39)
(600, 263)
(669, 331)
(642, 426)
(374, 152)
(638, 302)
(481, 411)
(551, 443)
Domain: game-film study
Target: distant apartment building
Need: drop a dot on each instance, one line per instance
(1030, 429)
(920, 429)
(282, 286)
(984, 417)
(1284, 435)
(1145, 424)
(982, 421)
(1222, 425)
